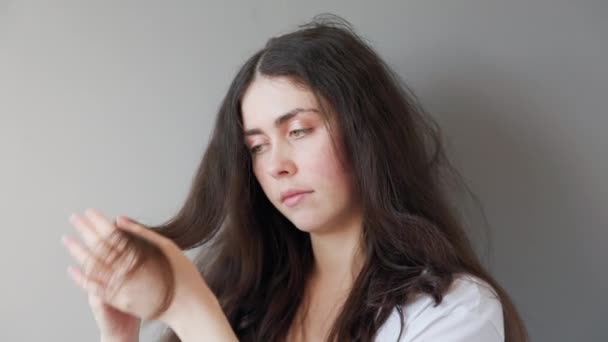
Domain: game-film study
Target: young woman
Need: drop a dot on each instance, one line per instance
(323, 209)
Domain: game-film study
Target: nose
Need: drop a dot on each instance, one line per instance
(281, 163)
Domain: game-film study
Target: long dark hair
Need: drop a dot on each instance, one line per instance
(257, 262)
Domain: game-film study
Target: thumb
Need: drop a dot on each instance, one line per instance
(129, 225)
(124, 220)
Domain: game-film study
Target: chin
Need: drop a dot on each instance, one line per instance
(308, 226)
(305, 227)
(311, 220)
(303, 222)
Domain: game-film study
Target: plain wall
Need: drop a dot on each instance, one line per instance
(109, 104)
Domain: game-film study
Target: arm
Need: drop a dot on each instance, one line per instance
(459, 326)
(200, 318)
(469, 312)
(134, 285)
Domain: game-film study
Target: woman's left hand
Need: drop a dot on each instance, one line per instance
(103, 274)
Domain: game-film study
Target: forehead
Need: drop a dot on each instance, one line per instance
(267, 98)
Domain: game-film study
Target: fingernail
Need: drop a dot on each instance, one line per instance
(126, 219)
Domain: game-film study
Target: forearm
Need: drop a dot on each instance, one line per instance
(125, 339)
(114, 336)
(198, 320)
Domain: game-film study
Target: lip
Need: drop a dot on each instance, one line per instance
(293, 200)
(293, 193)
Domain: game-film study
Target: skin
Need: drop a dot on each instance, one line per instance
(118, 313)
(297, 153)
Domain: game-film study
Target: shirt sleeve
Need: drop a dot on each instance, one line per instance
(459, 325)
(470, 311)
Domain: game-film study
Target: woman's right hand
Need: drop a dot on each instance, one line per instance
(114, 325)
(137, 272)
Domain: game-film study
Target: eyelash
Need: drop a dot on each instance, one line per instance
(303, 130)
(253, 149)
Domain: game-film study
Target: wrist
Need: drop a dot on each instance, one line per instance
(121, 334)
(198, 318)
(121, 339)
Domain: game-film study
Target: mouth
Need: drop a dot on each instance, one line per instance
(293, 199)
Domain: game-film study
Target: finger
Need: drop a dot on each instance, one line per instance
(95, 301)
(81, 254)
(85, 229)
(88, 261)
(107, 247)
(113, 247)
(98, 288)
(76, 250)
(126, 224)
(102, 225)
(87, 283)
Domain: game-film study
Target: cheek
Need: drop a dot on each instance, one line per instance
(261, 177)
(325, 167)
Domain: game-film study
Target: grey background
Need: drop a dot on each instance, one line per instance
(108, 104)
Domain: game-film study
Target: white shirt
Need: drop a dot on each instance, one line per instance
(470, 311)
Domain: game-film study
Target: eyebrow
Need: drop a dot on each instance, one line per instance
(281, 119)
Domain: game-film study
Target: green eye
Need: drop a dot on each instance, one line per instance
(296, 133)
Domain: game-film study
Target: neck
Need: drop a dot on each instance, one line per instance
(337, 253)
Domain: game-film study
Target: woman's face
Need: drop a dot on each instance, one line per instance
(292, 150)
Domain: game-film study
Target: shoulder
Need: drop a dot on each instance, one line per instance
(470, 311)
